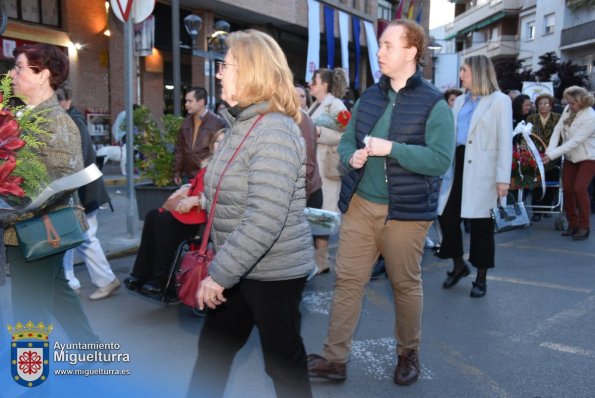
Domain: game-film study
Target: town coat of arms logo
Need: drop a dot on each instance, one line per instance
(30, 358)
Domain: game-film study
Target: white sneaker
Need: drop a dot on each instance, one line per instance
(105, 291)
(429, 243)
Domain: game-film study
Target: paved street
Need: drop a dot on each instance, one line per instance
(531, 336)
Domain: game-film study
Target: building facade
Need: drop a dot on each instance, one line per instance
(92, 36)
(525, 30)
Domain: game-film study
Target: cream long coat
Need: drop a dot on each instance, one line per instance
(488, 155)
(328, 141)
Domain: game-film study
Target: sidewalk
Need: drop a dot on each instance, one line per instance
(112, 230)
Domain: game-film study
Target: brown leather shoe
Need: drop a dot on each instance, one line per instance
(407, 370)
(569, 231)
(581, 234)
(320, 368)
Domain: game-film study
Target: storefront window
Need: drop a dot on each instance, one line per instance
(12, 10)
(49, 12)
(46, 12)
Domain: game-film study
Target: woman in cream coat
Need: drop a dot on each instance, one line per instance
(480, 173)
(576, 128)
(328, 87)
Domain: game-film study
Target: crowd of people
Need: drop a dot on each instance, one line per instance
(410, 155)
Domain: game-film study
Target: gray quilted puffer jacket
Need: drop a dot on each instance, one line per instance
(259, 225)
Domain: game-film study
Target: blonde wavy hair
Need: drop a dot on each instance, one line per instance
(483, 75)
(580, 95)
(263, 73)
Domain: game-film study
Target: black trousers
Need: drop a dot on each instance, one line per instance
(271, 306)
(481, 230)
(315, 199)
(162, 234)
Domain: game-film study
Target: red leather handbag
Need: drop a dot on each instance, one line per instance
(193, 270)
(195, 264)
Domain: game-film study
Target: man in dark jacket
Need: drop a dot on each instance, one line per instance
(92, 196)
(197, 129)
(400, 141)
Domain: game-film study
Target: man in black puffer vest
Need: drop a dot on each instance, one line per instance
(396, 147)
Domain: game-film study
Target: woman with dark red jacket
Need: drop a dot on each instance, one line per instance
(165, 229)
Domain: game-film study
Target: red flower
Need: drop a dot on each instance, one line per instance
(10, 184)
(524, 169)
(9, 135)
(343, 118)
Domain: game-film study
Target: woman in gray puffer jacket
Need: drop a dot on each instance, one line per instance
(261, 237)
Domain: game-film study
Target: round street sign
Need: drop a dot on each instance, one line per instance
(138, 10)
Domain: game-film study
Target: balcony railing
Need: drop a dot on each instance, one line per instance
(579, 33)
(505, 46)
(476, 15)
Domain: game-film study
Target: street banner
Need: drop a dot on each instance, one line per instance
(313, 58)
(344, 32)
(329, 28)
(372, 50)
(358, 49)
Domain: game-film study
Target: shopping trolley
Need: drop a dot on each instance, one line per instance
(556, 208)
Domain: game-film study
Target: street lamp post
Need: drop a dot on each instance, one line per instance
(434, 48)
(216, 47)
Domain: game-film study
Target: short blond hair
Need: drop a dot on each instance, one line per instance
(580, 95)
(263, 73)
(483, 75)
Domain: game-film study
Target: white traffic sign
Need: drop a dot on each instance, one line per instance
(138, 10)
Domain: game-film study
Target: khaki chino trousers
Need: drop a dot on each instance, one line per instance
(365, 234)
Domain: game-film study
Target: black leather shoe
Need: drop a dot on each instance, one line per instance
(536, 217)
(453, 278)
(133, 283)
(379, 269)
(149, 290)
(478, 290)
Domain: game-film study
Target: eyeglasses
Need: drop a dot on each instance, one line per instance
(223, 66)
(19, 67)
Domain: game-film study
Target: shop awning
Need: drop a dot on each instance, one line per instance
(478, 25)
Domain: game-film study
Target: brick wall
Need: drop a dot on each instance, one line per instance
(85, 22)
(151, 83)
